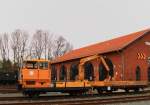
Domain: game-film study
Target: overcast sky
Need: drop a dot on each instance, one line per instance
(82, 22)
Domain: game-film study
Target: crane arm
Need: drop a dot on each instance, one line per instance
(104, 63)
(101, 59)
(84, 60)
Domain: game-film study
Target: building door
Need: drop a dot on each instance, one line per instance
(148, 73)
(74, 71)
(53, 73)
(138, 73)
(103, 73)
(88, 71)
(63, 73)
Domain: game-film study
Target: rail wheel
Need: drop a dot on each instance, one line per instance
(109, 91)
(99, 91)
(24, 94)
(76, 93)
(36, 94)
(72, 93)
(127, 90)
(136, 90)
(31, 94)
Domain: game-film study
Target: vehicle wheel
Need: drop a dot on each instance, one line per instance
(31, 94)
(127, 90)
(109, 91)
(72, 93)
(25, 94)
(142, 89)
(99, 91)
(19, 87)
(136, 90)
(76, 93)
(36, 95)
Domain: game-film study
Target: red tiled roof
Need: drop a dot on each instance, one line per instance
(102, 47)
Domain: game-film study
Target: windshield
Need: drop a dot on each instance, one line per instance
(31, 65)
(43, 65)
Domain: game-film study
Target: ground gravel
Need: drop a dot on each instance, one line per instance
(133, 103)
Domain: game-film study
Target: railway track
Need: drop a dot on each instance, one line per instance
(75, 100)
(78, 101)
(11, 97)
(8, 89)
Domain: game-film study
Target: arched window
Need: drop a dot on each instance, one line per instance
(103, 72)
(88, 71)
(73, 71)
(63, 73)
(138, 73)
(53, 73)
(148, 72)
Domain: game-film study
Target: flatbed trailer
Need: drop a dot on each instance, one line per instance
(115, 85)
(79, 87)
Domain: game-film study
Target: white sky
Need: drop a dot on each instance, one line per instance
(82, 22)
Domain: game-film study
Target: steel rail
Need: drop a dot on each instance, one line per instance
(90, 100)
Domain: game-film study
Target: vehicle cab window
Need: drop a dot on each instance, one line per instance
(43, 65)
(31, 65)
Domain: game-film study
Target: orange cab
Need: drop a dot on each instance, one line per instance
(35, 74)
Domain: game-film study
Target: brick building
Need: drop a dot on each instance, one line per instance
(128, 57)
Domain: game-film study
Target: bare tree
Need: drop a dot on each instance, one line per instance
(68, 47)
(24, 41)
(4, 46)
(14, 44)
(50, 47)
(61, 46)
(45, 43)
(37, 43)
(19, 40)
(42, 44)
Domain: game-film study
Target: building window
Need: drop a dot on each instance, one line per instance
(138, 73)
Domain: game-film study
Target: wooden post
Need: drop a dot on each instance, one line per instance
(96, 69)
(68, 71)
(81, 72)
(58, 71)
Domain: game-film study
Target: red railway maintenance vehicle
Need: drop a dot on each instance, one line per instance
(120, 63)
